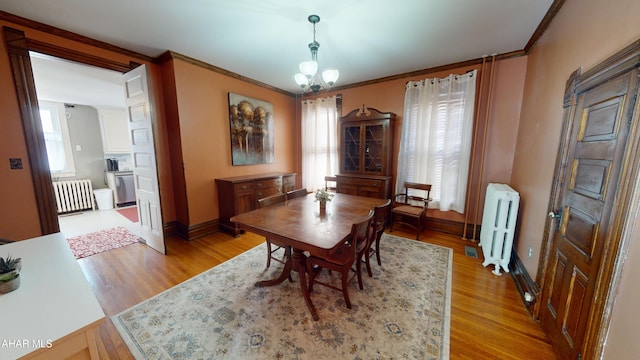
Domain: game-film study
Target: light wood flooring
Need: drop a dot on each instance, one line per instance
(488, 318)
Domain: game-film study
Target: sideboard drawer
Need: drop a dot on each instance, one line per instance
(243, 186)
(288, 183)
(263, 193)
(289, 180)
(267, 183)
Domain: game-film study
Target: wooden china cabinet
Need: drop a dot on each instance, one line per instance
(366, 146)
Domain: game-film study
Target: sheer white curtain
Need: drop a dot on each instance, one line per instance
(435, 145)
(319, 141)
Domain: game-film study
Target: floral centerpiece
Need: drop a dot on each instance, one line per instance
(323, 196)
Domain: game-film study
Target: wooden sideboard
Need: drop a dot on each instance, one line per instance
(239, 194)
(364, 185)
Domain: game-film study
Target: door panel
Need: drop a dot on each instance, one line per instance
(576, 304)
(590, 177)
(594, 157)
(580, 231)
(143, 155)
(558, 274)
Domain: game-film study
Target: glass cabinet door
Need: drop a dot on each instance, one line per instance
(374, 148)
(351, 146)
(366, 140)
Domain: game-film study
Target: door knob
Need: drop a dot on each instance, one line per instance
(553, 215)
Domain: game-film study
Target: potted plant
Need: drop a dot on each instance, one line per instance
(323, 196)
(9, 274)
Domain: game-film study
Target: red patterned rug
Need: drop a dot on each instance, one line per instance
(130, 213)
(100, 241)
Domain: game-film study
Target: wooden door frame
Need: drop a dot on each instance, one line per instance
(18, 47)
(626, 203)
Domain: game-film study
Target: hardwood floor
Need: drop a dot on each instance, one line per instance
(488, 318)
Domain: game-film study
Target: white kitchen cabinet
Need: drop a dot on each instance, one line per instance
(115, 131)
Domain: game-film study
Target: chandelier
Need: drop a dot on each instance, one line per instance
(307, 78)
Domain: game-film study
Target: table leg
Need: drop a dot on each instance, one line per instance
(299, 264)
(286, 271)
(296, 262)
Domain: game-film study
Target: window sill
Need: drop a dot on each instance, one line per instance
(69, 174)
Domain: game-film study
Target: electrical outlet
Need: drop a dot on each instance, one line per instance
(530, 252)
(15, 163)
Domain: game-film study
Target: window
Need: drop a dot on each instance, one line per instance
(435, 145)
(319, 141)
(56, 138)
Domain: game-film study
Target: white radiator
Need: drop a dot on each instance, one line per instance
(73, 195)
(498, 225)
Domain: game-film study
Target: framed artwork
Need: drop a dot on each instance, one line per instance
(251, 126)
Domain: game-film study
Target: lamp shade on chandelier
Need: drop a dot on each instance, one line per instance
(307, 78)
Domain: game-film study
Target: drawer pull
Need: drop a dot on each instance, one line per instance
(259, 184)
(259, 194)
(244, 187)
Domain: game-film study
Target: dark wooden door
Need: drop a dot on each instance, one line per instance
(587, 195)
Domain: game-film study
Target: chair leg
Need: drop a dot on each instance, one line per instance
(345, 289)
(287, 255)
(378, 249)
(268, 253)
(359, 273)
(419, 228)
(366, 261)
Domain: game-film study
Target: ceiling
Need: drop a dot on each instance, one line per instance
(265, 40)
(67, 82)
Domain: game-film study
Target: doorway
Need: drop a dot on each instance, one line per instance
(18, 48)
(88, 99)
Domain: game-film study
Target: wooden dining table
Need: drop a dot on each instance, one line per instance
(300, 224)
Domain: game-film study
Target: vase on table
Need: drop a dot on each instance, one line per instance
(9, 282)
(323, 205)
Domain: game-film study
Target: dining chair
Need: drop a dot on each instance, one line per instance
(297, 193)
(380, 221)
(268, 201)
(409, 208)
(343, 258)
(330, 183)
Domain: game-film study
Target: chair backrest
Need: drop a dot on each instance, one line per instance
(361, 233)
(271, 200)
(410, 191)
(330, 183)
(416, 186)
(297, 193)
(381, 215)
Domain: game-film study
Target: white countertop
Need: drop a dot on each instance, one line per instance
(54, 298)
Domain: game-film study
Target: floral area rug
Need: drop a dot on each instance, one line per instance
(403, 312)
(100, 241)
